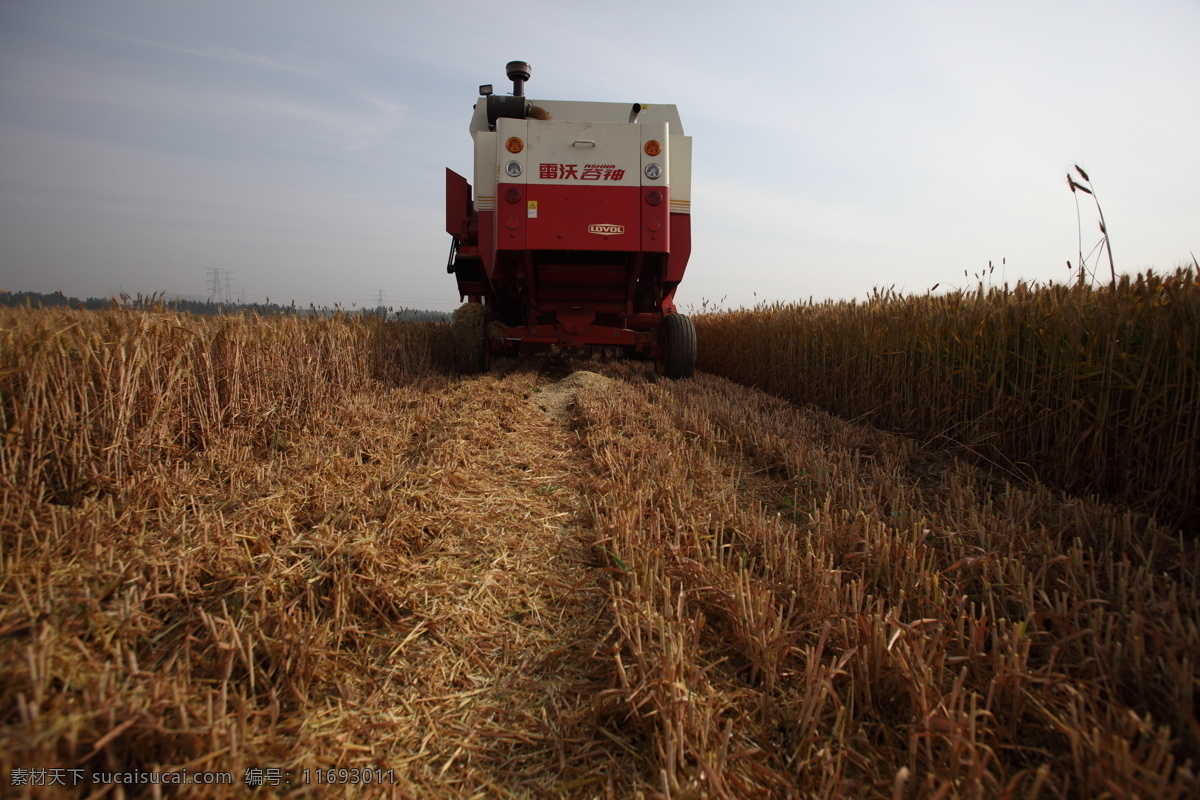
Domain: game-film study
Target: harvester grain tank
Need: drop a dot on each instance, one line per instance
(577, 231)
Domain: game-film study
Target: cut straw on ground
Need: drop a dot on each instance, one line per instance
(292, 556)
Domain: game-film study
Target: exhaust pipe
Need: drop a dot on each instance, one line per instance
(518, 73)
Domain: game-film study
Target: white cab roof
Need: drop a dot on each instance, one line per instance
(578, 111)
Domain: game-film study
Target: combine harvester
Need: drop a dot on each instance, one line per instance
(578, 231)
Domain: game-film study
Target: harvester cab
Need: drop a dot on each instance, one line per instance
(577, 230)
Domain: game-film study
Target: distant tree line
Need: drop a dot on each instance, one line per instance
(40, 300)
(207, 308)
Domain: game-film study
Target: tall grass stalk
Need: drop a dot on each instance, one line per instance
(1087, 188)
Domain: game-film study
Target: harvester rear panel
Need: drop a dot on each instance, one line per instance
(578, 230)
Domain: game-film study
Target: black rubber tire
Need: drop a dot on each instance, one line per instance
(470, 339)
(676, 347)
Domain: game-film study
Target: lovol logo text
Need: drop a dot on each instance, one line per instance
(606, 230)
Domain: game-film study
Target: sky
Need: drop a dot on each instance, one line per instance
(299, 148)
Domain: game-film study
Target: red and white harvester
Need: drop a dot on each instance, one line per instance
(578, 231)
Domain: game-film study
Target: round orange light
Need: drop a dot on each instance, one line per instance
(653, 148)
(514, 145)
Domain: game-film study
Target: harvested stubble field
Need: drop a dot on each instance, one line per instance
(251, 544)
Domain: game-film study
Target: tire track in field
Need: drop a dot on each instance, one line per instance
(507, 674)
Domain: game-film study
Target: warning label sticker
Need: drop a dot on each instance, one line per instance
(532, 212)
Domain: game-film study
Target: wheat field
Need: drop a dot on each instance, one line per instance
(302, 553)
(1091, 389)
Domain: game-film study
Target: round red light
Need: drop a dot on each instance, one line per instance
(653, 197)
(513, 195)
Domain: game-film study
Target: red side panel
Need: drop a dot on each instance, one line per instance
(458, 205)
(681, 246)
(487, 241)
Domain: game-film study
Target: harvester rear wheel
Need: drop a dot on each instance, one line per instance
(676, 347)
(470, 340)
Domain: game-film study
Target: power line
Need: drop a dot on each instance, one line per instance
(320, 297)
(223, 288)
(214, 284)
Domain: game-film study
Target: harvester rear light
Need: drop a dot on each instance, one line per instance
(653, 197)
(653, 148)
(513, 195)
(653, 171)
(514, 145)
(513, 168)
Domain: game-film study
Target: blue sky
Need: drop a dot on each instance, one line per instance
(301, 146)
